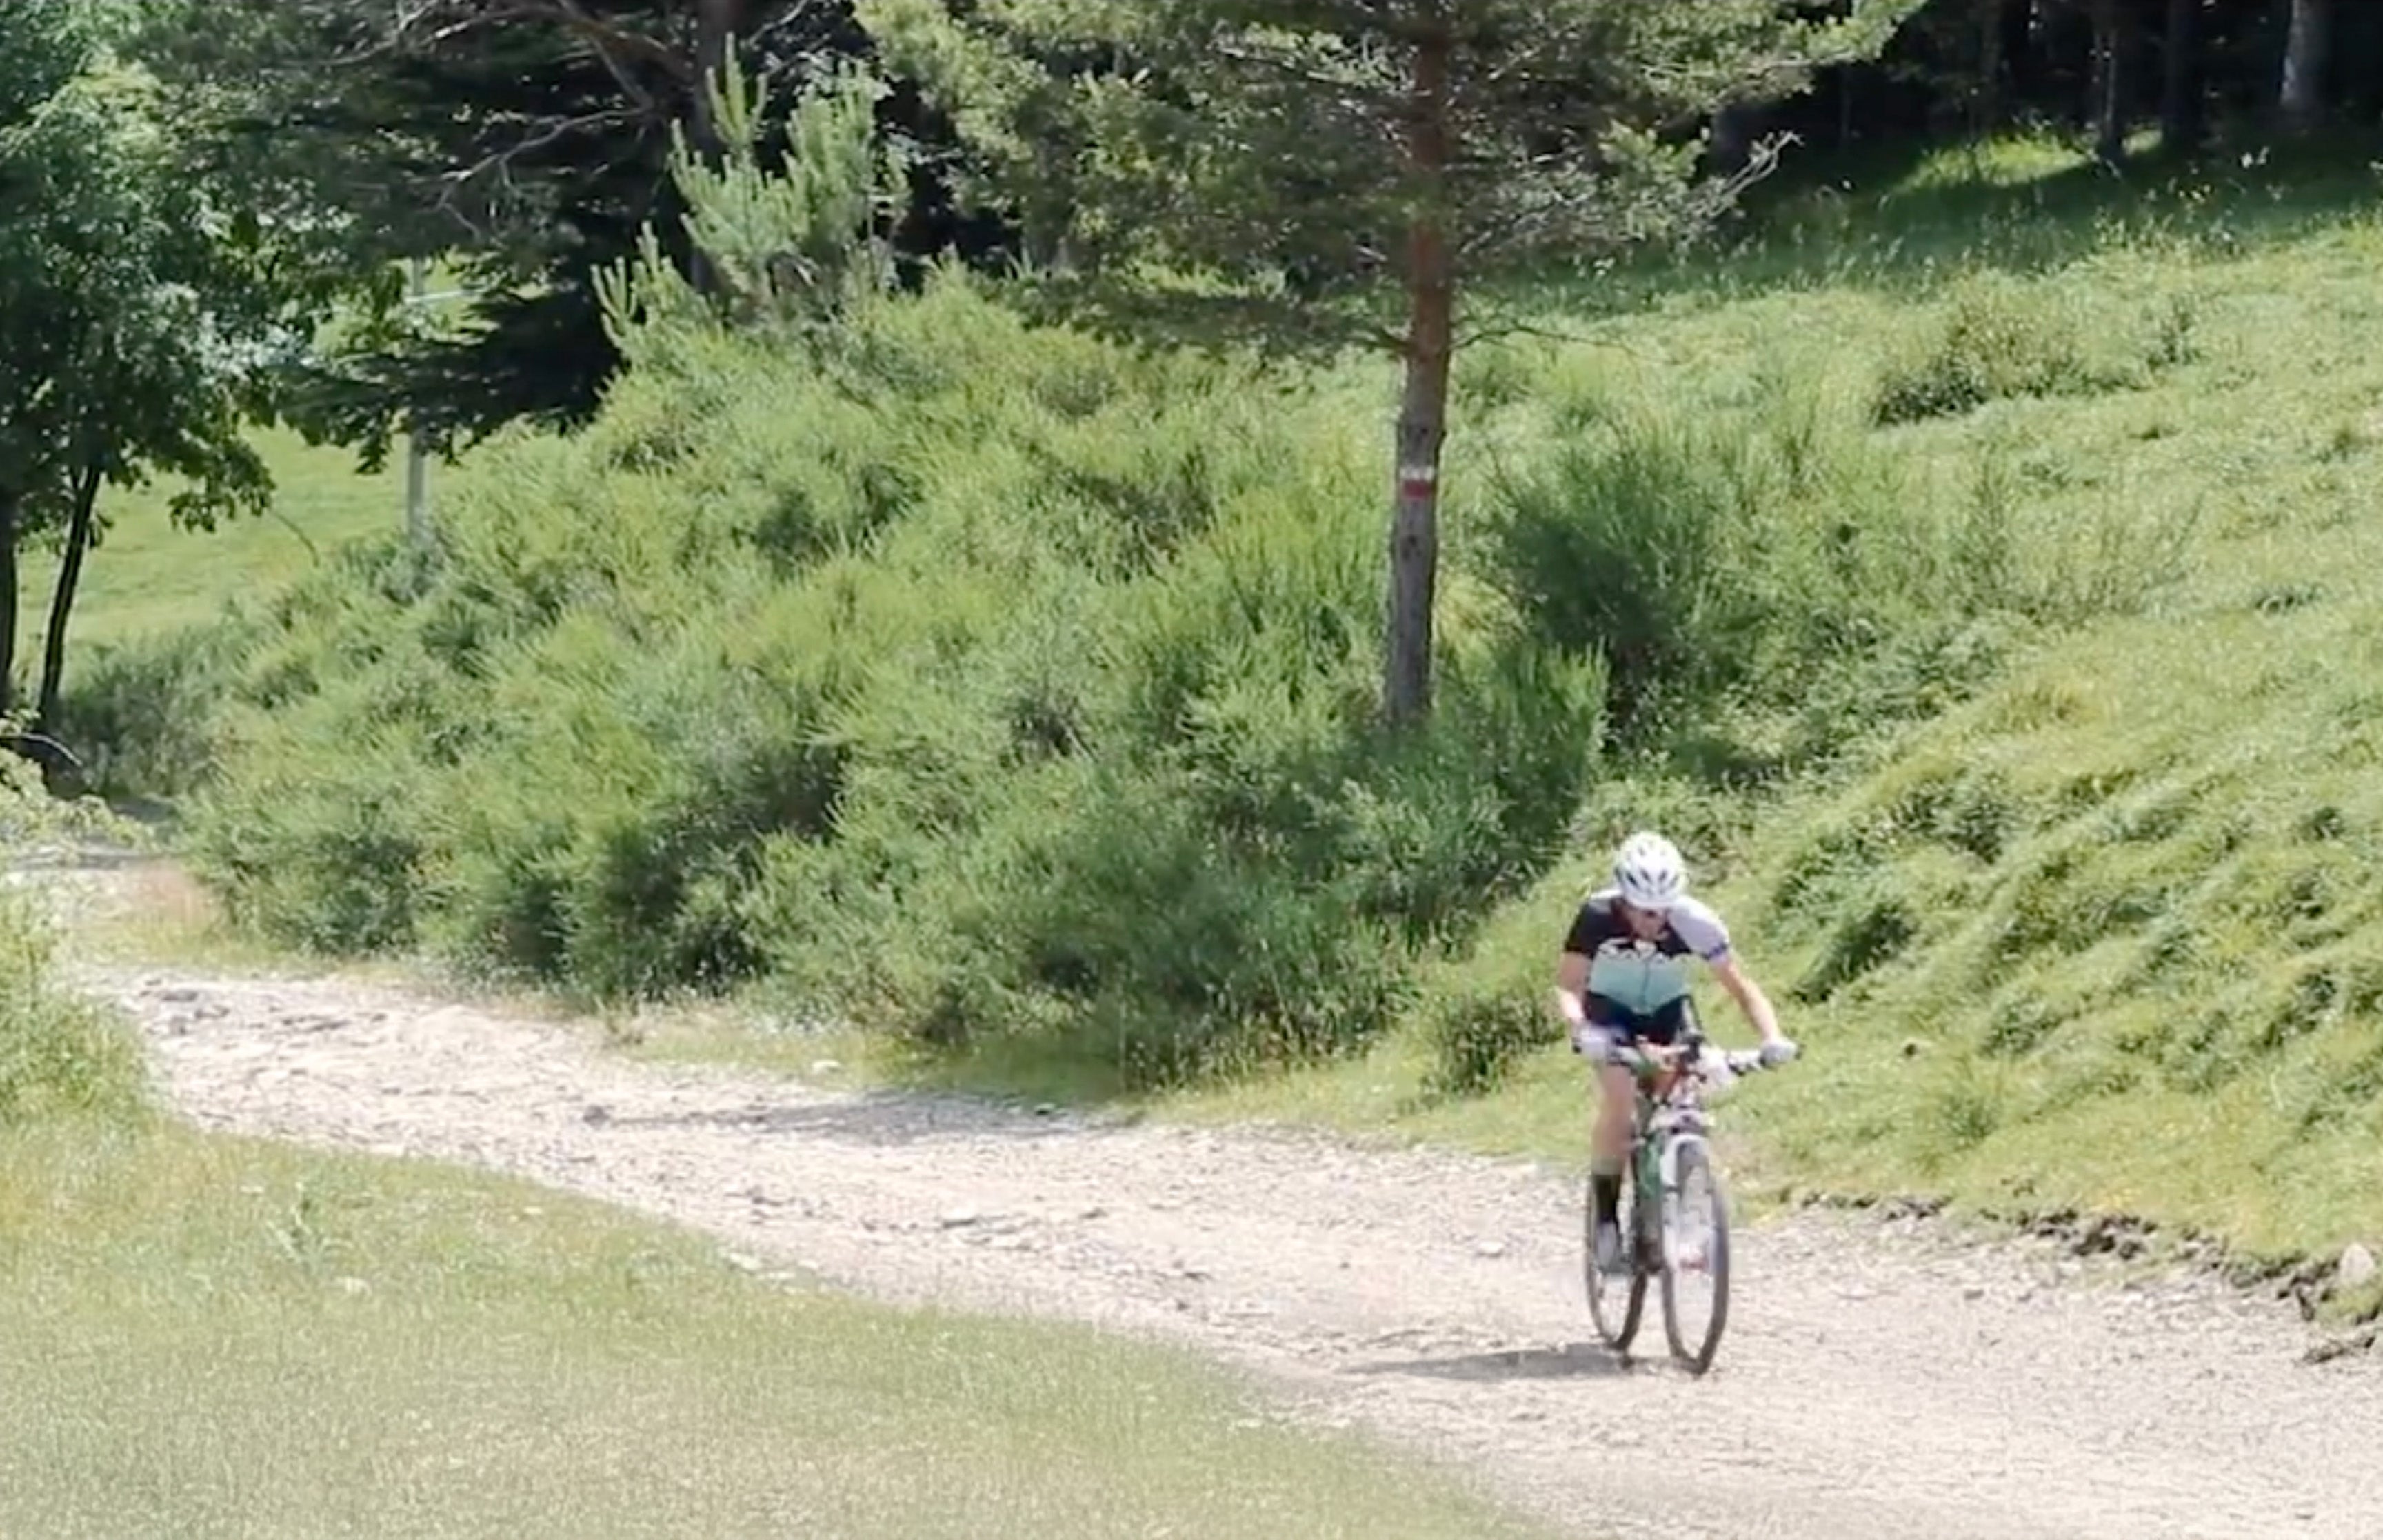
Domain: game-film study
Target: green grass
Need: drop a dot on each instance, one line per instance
(2096, 936)
(2107, 934)
(204, 1335)
(148, 577)
(158, 605)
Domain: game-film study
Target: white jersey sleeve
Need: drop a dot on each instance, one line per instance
(1700, 928)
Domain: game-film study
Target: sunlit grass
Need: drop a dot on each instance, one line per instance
(2103, 936)
(148, 576)
(203, 1337)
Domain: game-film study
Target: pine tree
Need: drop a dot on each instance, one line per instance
(1321, 172)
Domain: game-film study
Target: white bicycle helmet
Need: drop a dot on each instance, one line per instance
(1650, 873)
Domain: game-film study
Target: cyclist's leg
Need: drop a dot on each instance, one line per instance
(1609, 1141)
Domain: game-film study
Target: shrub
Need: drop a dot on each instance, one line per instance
(2000, 338)
(1030, 693)
(61, 1054)
(1711, 552)
(141, 715)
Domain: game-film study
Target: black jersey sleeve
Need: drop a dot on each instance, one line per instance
(1588, 930)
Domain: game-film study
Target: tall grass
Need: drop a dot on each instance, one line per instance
(62, 1059)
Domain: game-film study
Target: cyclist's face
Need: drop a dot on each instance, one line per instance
(1646, 924)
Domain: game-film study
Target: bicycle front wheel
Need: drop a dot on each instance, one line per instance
(1696, 1258)
(1615, 1300)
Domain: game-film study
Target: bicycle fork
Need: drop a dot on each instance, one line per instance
(1658, 1180)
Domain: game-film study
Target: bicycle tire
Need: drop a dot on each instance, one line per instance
(1692, 1159)
(1624, 1298)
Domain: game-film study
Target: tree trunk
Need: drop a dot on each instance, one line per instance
(1986, 115)
(2109, 83)
(715, 29)
(2307, 52)
(1423, 409)
(54, 643)
(2182, 122)
(1732, 137)
(2022, 49)
(10, 509)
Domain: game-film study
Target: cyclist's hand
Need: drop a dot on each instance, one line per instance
(1778, 1051)
(1593, 1043)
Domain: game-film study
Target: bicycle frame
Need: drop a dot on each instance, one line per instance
(1670, 1116)
(1667, 1146)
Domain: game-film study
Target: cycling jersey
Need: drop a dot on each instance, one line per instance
(1642, 977)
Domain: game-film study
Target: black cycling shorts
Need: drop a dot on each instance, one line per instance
(1661, 1026)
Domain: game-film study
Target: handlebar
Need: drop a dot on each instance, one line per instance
(1648, 1061)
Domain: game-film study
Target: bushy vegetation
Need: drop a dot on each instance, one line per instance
(2000, 338)
(968, 681)
(62, 1058)
(977, 680)
(2079, 915)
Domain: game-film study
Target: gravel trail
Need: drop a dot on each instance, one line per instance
(1880, 1380)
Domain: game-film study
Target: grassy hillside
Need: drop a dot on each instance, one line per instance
(2107, 934)
(1966, 568)
(148, 577)
(2104, 933)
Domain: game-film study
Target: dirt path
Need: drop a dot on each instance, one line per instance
(1878, 1380)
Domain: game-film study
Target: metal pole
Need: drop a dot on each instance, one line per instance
(417, 465)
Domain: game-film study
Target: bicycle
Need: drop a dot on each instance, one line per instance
(1669, 1153)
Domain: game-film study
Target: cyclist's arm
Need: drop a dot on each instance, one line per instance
(1748, 995)
(1571, 990)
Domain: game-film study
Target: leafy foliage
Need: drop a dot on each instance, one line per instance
(140, 323)
(522, 144)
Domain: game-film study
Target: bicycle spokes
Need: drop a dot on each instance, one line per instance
(1687, 1238)
(1696, 1272)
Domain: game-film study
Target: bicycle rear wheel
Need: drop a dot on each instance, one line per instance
(1614, 1302)
(1696, 1256)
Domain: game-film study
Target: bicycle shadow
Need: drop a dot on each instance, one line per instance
(1572, 1360)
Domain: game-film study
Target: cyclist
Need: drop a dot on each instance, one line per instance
(1622, 978)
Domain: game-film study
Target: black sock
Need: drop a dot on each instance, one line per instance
(1609, 1196)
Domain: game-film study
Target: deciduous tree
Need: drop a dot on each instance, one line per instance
(138, 322)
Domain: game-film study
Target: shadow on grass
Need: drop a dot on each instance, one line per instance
(1900, 223)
